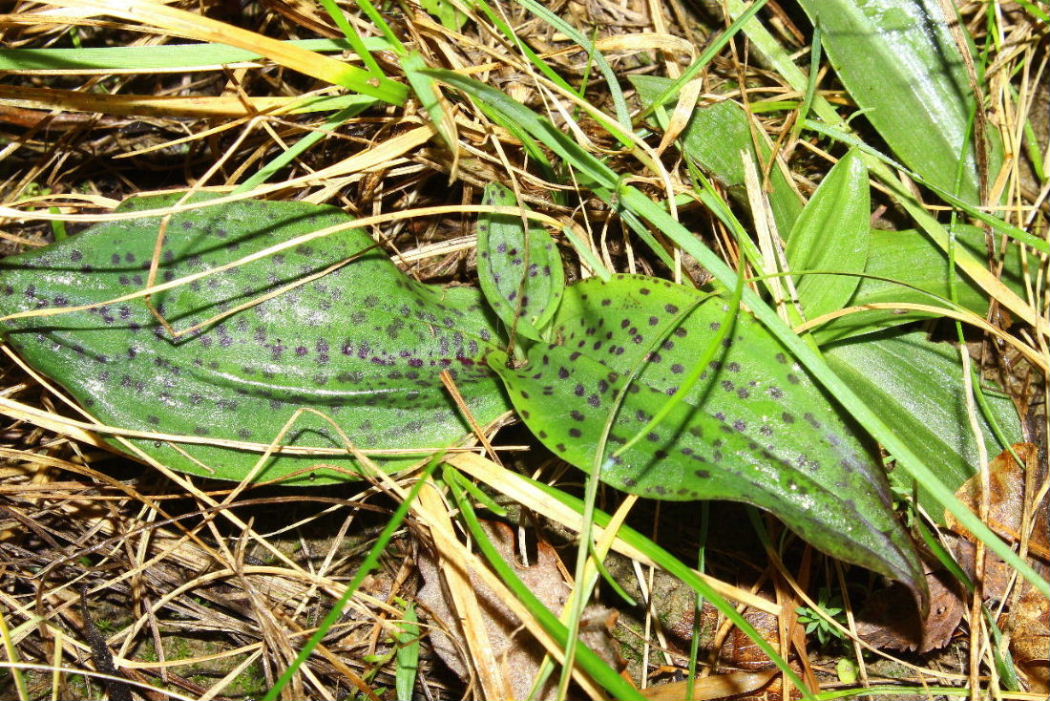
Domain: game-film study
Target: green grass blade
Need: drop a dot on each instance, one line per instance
(353, 37)
(384, 27)
(534, 58)
(709, 52)
(331, 123)
(815, 54)
(426, 92)
(675, 567)
(593, 170)
(623, 115)
(408, 646)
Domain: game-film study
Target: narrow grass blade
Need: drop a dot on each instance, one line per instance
(189, 24)
(710, 51)
(371, 561)
(154, 59)
(353, 38)
(301, 146)
(623, 115)
(497, 21)
(426, 92)
(591, 662)
(407, 653)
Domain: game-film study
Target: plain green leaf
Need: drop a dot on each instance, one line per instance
(426, 92)
(714, 138)
(831, 235)
(906, 267)
(520, 273)
(446, 12)
(919, 384)
(364, 344)
(900, 64)
(755, 429)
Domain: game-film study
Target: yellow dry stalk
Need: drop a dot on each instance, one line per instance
(187, 24)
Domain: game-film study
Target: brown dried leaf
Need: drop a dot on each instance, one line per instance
(1030, 637)
(1008, 489)
(518, 655)
(717, 686)
(741, 652)
(890, 619)
(997, 574)
(739, 657)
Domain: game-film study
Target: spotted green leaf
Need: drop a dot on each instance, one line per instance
(364, 344)
(520, 273)
(755, 428)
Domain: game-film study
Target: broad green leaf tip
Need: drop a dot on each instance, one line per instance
(902, 66)
(831, 235)
(756, 429)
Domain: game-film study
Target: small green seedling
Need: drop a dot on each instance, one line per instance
(815, 624)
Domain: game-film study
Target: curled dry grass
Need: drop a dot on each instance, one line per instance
(205, 591)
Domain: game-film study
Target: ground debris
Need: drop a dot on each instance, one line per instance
(519, 656)
(883, 621)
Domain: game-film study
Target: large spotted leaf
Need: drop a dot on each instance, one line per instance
(363, 344)
(754, 428)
